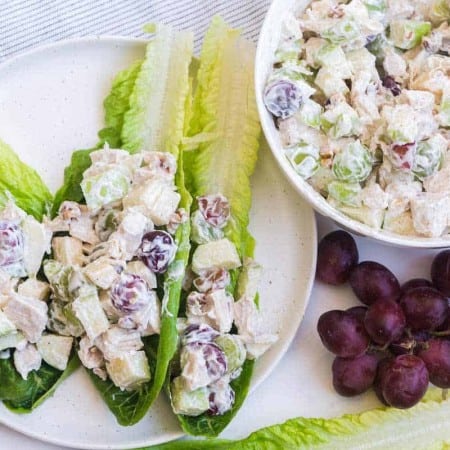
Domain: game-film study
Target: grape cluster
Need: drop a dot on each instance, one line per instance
(399, 341)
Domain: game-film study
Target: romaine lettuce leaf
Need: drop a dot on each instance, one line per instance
(23, 184)
(224, 114)
(155, 120)
(425, 426)
(224, 106)
(115, 106)
(23, 396)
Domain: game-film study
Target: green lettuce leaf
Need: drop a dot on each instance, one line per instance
(23, 396)
(23, 183)
(425, 426)
(224, 107)
(115, 106)
(155, 120)
(224, 114)
(128, 406)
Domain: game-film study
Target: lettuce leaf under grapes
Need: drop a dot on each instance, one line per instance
(223, 145)
(425, 426)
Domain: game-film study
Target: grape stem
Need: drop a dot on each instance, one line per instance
(441, 333)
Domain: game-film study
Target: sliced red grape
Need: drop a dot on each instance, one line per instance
(215, 209)
(414, 283)
(11, 243)
(440, 272)
(342, 334)
(425, 308)
(384, 321)
(436, 356)
(130, 293)
(372, 281)
(282, 98)
(199, 333)
(157, 250)
(353, 376)
(337, 256)
(404, 381)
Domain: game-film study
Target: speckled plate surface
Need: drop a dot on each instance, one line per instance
(51, 104)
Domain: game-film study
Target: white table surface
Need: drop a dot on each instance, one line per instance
(301, 384)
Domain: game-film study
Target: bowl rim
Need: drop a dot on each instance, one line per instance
(315, 199)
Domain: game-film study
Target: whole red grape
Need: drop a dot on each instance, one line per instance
(337, 255)
(353, 376)
(440, 272)
(342, 334)
(404, 381)
(372, 281)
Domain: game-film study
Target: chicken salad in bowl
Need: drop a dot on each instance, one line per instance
(353, 98)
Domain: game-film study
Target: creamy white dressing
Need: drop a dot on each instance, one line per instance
(381, 72)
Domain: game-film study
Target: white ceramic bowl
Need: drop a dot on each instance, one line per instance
(267, 44)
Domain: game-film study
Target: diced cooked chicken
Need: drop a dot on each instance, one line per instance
(29, 315)
(363, 97)
(251, 328)
(394, 64)
(13, 340)
(7, 285)
(83, 228)
(116, 156)
(194, 371)
(34, 288)
(116, 341)
(68, 250)
(156, 199)
(27, 360)
(161, 165)
(130, 231)
(214, 308)
(90, 356)
(113, 249)
(101, 272)
(430, 213)
(439, 182)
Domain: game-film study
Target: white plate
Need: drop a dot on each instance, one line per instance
(51, 104)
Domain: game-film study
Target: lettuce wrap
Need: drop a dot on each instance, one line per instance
(145, 111)
(219, 158)
(22, 187)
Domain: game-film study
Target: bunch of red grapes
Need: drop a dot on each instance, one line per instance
(399, 341)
